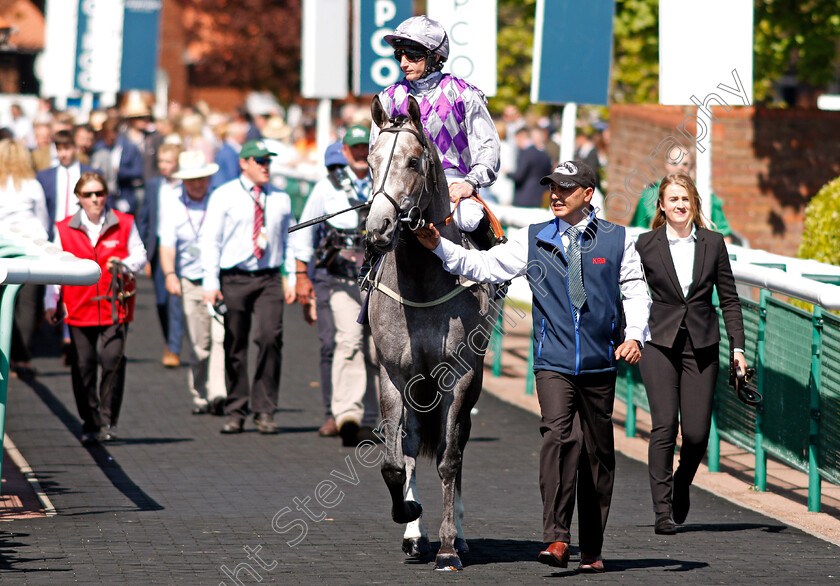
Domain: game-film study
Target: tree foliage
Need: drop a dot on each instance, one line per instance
(245, 43)
(802, 38)
(515, 42)
(636, 51)
(798, 38)
(821, 232)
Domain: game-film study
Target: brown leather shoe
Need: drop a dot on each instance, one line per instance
(591, 563)
(170, 359)
(329, 428)
(556, 555)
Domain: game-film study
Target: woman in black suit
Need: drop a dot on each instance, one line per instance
(682, 262)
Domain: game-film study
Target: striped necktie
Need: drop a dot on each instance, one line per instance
(576, 291)
(258, 221)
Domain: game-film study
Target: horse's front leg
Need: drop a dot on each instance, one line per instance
(393, 465)
(450, 460)
(415, 539)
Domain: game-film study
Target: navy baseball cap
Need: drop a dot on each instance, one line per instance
(334, 156)
(572, 174)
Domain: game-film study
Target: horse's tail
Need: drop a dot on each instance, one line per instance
(431, 428)
(428, 408)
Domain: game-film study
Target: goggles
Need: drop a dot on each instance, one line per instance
(413, 55)
(262, 161)
(87, 194)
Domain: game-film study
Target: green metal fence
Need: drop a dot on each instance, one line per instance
(797, 360)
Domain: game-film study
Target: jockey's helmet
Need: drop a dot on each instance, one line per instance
(422, 33)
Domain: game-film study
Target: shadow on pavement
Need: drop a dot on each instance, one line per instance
(109, 466)
(9, 558)
(727, 527)
(667, 564)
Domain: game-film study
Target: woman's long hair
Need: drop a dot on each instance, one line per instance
(687, 183)
(15, 163)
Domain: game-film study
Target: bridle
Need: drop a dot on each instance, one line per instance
(413, 217)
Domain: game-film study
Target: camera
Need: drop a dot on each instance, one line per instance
(217, 308)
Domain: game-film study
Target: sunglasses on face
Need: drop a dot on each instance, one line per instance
(262, 161)
(87, 194)
(412, 55)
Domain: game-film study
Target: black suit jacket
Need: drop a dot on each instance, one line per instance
(671, 308)
(531, 166)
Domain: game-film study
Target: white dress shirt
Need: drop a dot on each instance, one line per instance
(506, 261)
(66, 202)
(682, 253)
(227, 236)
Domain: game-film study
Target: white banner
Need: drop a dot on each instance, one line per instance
(325, 49)
(99, 51)
(57, 66)
(471, 26)
(703, 45)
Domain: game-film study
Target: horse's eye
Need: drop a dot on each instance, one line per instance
(414, 162)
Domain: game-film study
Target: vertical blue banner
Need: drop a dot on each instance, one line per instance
(572, 51)
(374, 65)
(141, 42)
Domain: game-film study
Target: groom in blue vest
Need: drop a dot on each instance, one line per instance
(584, 274)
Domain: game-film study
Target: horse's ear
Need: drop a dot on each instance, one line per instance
(377, 112)
(414, 112)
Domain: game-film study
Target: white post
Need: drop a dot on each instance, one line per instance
(87, 105)
(568, 131)
(324, 125)
(703, 169)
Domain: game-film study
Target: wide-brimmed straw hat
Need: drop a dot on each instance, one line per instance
(193, 165)
(276, 129)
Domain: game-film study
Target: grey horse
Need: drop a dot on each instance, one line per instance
(430, 331)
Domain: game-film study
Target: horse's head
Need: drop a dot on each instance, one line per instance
(402, 164)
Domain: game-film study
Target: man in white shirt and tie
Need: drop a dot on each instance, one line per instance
(59, 181)
(340, 249)
(244, 244)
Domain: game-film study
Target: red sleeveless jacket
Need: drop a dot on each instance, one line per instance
(82, 310)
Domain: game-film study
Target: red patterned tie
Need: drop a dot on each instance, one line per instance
(258, 222)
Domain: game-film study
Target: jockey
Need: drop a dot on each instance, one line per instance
(454, 114)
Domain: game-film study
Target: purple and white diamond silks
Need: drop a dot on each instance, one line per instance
(442, 113)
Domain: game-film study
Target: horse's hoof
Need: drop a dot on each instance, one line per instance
(448, 562)
(461, 545)
(411, 511)
(415, 547)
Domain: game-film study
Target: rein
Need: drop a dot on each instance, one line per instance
(413, 218)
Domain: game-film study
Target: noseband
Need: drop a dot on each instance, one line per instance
(413, 218)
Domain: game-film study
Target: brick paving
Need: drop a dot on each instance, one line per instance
(176, 502)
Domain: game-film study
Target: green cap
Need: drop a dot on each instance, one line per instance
(357, 135)
(255, 148)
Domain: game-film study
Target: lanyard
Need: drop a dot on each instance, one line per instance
(185, 200)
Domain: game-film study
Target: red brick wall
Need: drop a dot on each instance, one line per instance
(766, 164)
(173, 47)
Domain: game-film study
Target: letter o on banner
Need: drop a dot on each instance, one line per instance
(462, 66)
(385, 71)
(618, 205)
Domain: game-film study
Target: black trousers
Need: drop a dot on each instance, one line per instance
(680, 385)
(95, 346)
(577, 455)
(253, 299)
